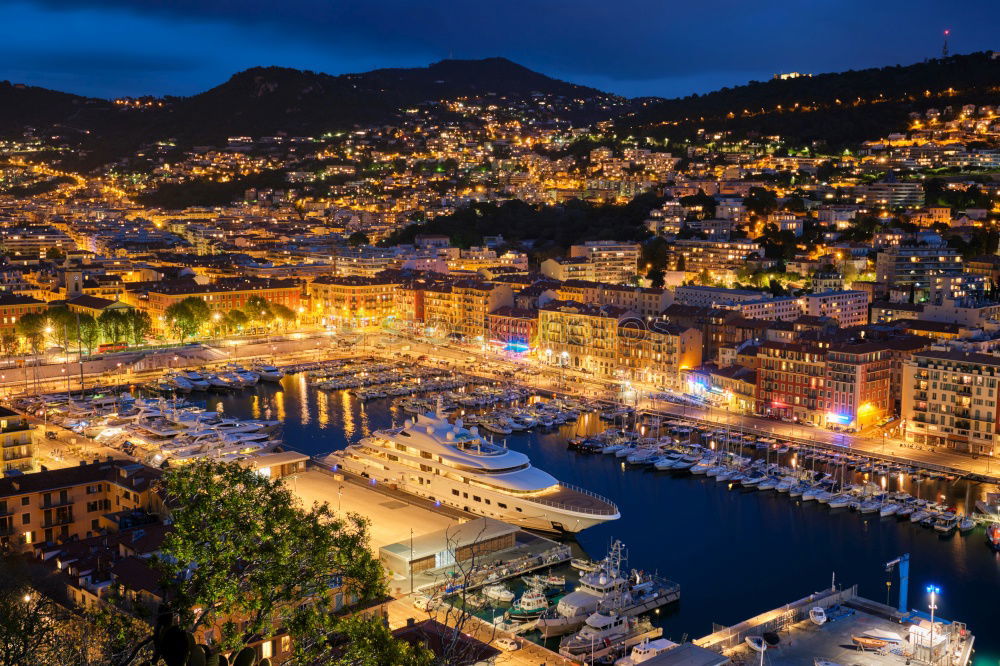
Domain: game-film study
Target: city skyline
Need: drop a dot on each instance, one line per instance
(115, 48)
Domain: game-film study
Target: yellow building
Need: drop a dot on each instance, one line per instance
(355, 300)
(16, 443)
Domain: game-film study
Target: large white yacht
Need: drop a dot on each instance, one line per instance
(456, 466)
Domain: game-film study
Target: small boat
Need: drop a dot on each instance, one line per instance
(499, 593)
(817, 615)
(993, 536)
(868, 643)
(757, 643)
(966, 524)
(531, 605)
(582, 564)
(545, 581)
(645, 651)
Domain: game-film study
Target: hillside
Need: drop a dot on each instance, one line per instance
(267, 100)
(839, 109)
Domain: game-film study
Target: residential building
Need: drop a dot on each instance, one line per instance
(513, 328)
(614, 262)
(693, 256)
(73, 502)
(355, 300)
(580, 336)
(569, 268)
(950, 399)
(658, 352)
(16, 442)
(913, 268)
(15, 306)
(849, 308)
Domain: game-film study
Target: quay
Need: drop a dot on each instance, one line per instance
(896, 638)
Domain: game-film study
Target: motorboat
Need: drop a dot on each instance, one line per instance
(542, 582)
(645, 651)
(946, 524)
(499, 593)
(268, 373)
(817, 615)
(756, 643)
(529, 606)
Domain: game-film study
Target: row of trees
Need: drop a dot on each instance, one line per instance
(192, 316)
(63, 327)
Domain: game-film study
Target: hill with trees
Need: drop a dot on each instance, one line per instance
(838, 109)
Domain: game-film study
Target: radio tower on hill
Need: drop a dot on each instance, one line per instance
(944, 47)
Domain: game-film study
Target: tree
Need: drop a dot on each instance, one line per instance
(236, 320)
(284, 314)
(367, 643)
(200, 311)
(241, 548)
(88, 332)
(258, 310)
(181, 320)
(138, 326)
(358, 238)
(114, 324)
(31, 327)
(8, 343)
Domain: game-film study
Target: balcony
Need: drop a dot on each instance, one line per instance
(53, 503)
(58, 519)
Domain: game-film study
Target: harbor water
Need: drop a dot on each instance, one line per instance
(735, 552)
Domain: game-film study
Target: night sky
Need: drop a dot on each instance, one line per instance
(631, 47)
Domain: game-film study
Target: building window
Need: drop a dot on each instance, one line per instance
(266, 652)
(25, 518)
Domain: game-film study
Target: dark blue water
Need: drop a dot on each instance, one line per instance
(735, 553)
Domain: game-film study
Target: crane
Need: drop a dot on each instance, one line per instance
(904, 578)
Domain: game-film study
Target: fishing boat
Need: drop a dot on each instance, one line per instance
(817, 615)
(966, 524)
(529, 606)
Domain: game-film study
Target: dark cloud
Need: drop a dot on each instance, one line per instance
(622, 44)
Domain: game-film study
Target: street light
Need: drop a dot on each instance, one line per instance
(933, 590)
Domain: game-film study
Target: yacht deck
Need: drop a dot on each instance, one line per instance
(572, 498)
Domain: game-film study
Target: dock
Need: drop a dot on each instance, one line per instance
(908, 636)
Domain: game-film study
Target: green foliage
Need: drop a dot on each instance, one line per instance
(139, 326)
(368, 643)
(186, 317)
(31, 327)
(358, 238)
(552, 227)
(114, 325)
(241, 547)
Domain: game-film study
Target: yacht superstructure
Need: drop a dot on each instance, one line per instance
(431, 457)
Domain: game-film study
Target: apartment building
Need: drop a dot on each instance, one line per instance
(613, 262)
(512, 327)
(360, 301)
(460, 308)
(891, 194)
(913, 268)
(74, 502)
(950, 399)
(658, 352)
(645, 301)
(849, 308)
(16, 442)
(693, 256)
(858, 384)
(15, 306)
(790, 381)
(580, 336)
(569, 268)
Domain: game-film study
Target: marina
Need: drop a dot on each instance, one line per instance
(773, 491)
(804, 539)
